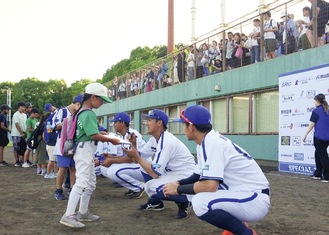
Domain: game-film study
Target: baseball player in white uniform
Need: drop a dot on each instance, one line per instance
(120, 168)
(172, 162)
(229, 187)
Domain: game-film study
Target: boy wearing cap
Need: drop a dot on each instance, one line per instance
(3, 132)
(87, 133)
(18, 129)
(172, 162)
(121, 169)
(229, 187)
(30, 125)
(64, 163)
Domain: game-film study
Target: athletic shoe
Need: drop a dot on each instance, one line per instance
(30, 163)
(17, 164)
(129, 192)
(183, 210)
(4, 163)
(325, 181)
(137, 195)
(39, 173)
(229, 233)
(48, 176)
(71, 221)
(151, 206)
(25, 165)
(87, 217)
(315, 177)
(59, 194)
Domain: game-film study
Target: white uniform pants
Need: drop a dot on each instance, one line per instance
(85, 182)
(245, 206)
(126, 174)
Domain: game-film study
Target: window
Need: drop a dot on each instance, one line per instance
(219, 115)
(239, 114)
(131, 125)
(173, 113)
(265, 112)
(143, 122)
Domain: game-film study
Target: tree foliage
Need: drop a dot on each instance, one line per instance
(57, 92)
(138, 58)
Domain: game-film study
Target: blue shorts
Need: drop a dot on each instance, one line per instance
(65, 161)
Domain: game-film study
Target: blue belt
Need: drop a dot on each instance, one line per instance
(266, 191)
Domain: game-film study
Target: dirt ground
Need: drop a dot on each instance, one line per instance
(299, 205)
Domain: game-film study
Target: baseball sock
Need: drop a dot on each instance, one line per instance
(225, 220)
(174, 198)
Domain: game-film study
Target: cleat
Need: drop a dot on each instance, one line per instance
(71, 221)
(151, 206)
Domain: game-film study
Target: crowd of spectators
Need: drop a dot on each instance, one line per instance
(275, 38)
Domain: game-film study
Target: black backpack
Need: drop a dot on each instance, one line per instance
(278, 34)
(35, 137)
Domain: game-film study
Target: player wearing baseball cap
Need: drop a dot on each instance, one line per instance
(172, 161)
(229, 186)
(120, 168)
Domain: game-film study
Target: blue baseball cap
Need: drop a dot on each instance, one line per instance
(157, 114)
(78, 98)
(123, 117)
(195, 114)
(48, 107)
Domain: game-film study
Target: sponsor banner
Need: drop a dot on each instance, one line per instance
(296, 103)
(296, 168)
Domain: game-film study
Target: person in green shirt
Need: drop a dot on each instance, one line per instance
(87, 134)
(30, 125)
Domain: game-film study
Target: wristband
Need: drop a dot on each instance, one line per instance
(185, 189)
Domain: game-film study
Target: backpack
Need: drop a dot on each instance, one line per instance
(35, 137)
(67, 144)
(21, 147)
(278, 34)
(50, 138)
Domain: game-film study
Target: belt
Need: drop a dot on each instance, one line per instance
(266, 191)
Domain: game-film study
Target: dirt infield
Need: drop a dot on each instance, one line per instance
(299, 205)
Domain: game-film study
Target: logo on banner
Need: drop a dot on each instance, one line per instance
(310, 94)
(296, 140)
(286, 112)
(288, 98)
(297, 112)
(299, 156)
(308, 142)
(287, 126)
(285, 140)
(309, 109)
(322, 77)
(302, 81)
(300, 168)
(303, 124)
(286, 155)
(286, 84)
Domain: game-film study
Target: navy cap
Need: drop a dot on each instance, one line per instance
(28, 105)
(4, 106)
(48, 107)
(123, 117)
(157, 114)
(195, 114)
(78, 98)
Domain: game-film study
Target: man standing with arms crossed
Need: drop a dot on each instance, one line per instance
(229, 187)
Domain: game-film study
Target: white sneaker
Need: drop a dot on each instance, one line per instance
(53, 175)
(87, 217)
(47, 176)
(25, 165)
(71, 221)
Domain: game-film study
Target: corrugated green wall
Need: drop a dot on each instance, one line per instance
(252, 77)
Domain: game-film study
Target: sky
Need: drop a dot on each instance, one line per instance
(76, 39)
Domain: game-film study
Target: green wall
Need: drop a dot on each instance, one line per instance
(253, 77)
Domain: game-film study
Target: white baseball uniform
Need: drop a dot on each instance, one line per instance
(127, 174)
(172, 162)
(244, 192)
